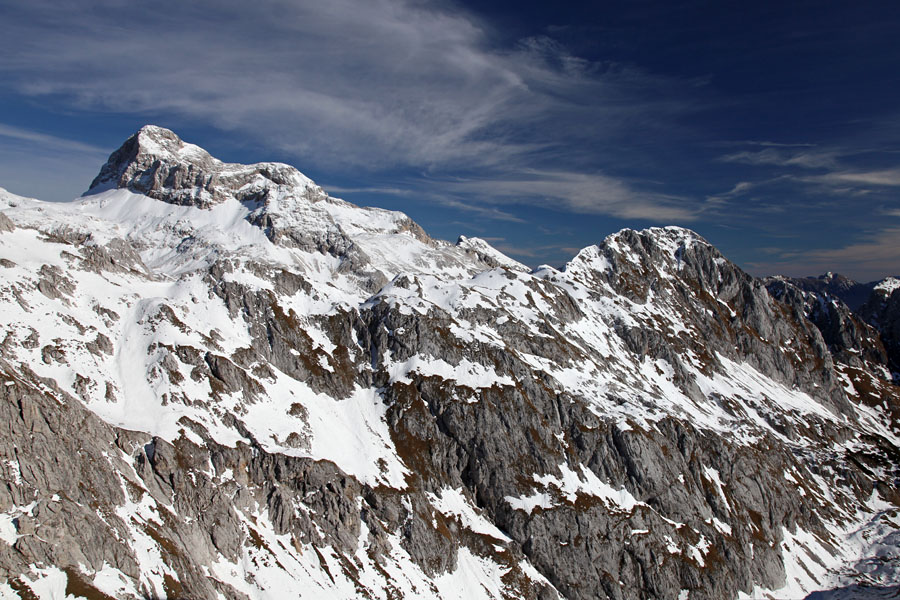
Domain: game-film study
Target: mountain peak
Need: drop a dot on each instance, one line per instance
(157, 163)
(836, 279)
(148, 146)
(888, 285)
(160, 142)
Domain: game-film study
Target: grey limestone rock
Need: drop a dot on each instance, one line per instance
(849, 338)
(6, 224)
(882, 311)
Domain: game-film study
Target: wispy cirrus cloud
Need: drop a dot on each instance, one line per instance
(826, 183)
(740, 188)
(884, 177)
(561, 190)
(576, 192)
(372, 85)
(778, 156)
(432, 193)
(408, 83)
(49, 142)
(786, 156)
(33, 163)
(777, 144)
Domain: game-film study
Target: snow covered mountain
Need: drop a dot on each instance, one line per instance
(220, 382)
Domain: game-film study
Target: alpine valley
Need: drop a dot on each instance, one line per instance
(217, 381)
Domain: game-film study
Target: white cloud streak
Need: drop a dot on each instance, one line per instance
(886, 177)
(837, 176)
(47, 175)
(776, 156)
(49, 142)
(48, 167)
(574, 192)
(738, 189)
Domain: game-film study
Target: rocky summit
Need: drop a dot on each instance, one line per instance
(220, 382)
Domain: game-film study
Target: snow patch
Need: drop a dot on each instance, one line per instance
(888, 285)
(452, 502)
(570, 485)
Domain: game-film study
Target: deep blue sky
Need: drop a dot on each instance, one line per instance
(771, 128)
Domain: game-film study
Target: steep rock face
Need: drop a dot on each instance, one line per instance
(873, 303)
(285, 395)
(849, 338)
(882, 310)
(861, 360)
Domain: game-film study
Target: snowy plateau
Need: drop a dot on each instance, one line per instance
(219, 382)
